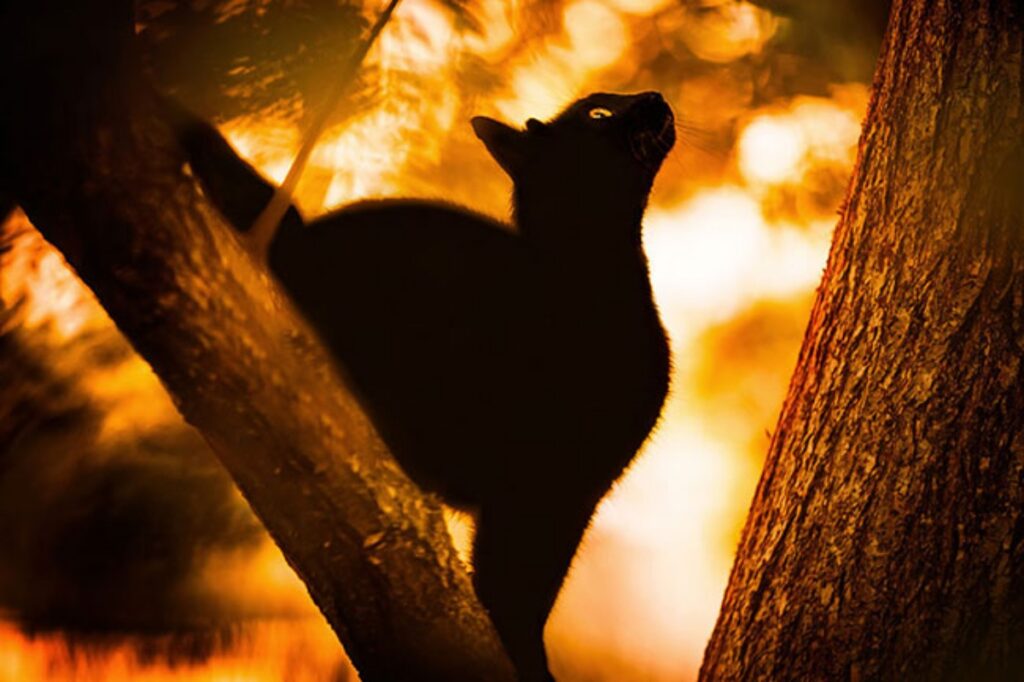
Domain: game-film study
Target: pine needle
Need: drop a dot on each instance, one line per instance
(263, 230)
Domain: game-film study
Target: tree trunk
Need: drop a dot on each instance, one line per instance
(83, 151)
(886, 537)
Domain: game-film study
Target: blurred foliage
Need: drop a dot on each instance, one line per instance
(745, 368)
(225, 58)
(836, 40)
(100, 531)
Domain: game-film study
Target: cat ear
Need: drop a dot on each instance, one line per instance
(534, 126)
(507, 145)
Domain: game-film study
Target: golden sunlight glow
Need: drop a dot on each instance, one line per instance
(715, 253)
(365, 155)
(545, 79)
(461, 528)
(700, 252)
(419, 39)
(497, 30)
(597, 36)
(639, 7)
(254, 579)
(645, 588)
(268, 144)
(133, 400)
(733, 30)
(56, 296)
(356, 146)
(651, 541)
(770, 150)
(783, 146)
(269, 651)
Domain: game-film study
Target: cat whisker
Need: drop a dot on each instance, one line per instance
(648, 150)
(713, 151)
(693, 129)
(698, 135)
(701, 136)
(634, 150)
(662, 144)
(702, 140)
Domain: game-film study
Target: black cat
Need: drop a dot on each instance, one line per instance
(514, 373)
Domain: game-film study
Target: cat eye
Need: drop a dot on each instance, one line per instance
(600, 112)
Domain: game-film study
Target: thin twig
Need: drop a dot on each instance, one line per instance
(265, 227)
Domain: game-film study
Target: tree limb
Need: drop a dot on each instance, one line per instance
(84, 152)
(886, 536)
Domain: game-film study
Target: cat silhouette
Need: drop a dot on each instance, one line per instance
(515, 372)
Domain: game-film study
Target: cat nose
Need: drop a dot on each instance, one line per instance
(652, 107)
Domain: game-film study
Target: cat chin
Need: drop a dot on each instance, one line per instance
(651, 149)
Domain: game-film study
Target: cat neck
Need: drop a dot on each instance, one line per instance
(586, 226)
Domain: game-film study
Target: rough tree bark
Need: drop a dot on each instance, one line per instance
(84, 152)
(886, 537)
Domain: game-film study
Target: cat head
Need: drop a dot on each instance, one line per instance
(601, 142)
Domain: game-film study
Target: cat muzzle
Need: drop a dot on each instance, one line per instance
(654, 131)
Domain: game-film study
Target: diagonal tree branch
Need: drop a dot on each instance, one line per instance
(84, 152)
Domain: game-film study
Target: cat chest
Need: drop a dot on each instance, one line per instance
(607, 344)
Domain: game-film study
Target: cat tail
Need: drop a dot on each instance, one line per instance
(234, 187)
(7, 206)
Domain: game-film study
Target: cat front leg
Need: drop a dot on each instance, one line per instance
(520, 558)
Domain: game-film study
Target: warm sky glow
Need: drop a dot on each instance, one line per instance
(770, 151)
(645, 589)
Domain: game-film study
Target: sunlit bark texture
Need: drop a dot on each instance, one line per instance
(886, 537)
(86, 156)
